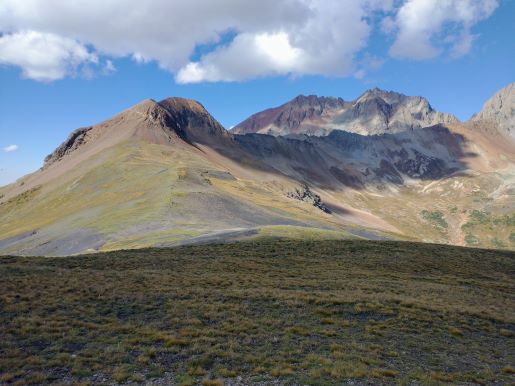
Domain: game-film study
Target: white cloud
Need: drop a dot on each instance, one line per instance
(10, 148)
(109, 67)
(248, 56)
(51, 39)
(163, 30)
(43, 56)
(388, 25)
(271, 36)
(325, 43)
(425, 27)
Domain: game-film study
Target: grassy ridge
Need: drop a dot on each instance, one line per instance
(139, 195)
(294, 312)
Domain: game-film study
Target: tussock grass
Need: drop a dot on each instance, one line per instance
(297, 312)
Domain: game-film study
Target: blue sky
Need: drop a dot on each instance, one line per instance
(55, 77)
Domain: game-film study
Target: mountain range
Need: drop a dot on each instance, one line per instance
(384, 166)
(374, 112)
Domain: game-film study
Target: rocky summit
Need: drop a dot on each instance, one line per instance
(384, 166)
(499, 110)
(374, 112)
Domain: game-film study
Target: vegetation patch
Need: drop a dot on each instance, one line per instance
(495, 231)
(472, 240)
(436, 218)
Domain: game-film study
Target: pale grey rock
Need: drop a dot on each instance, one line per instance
(500, 110)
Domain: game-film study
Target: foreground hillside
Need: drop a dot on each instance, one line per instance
(262, 312)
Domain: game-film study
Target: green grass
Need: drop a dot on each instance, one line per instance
(484, 228)
(471, 240)
(436, 217)
(166, 200)
(299, 312)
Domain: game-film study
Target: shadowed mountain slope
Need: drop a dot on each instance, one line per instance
(347, 159)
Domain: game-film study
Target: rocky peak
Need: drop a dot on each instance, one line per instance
(305, 100)
(394, 99)
(176, 105)
(499, 110)
(178, 118)
(191, 118)
(389, 97)
(180, 115)
(376, 111)
(319, 102)
(289, 117)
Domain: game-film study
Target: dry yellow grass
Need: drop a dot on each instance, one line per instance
(302, 312)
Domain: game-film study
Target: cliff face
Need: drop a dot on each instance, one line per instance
(499, 111)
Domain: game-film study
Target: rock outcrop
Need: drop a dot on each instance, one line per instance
(305, 194)
(76, 139)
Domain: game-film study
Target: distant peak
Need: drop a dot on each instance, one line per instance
(376, 90)
(306, 98)
(376, 111)
(384, 94)
(313, 100)
(500, 109)
(509, 89)
(314, 97)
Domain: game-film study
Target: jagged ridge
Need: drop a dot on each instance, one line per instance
(374, 112)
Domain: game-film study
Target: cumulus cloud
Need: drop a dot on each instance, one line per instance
(325, 43)
(248, 56)
(270, 36)
(166, 31)
(43, 56)
(10, 148)
(425, 27)
(51, 39)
